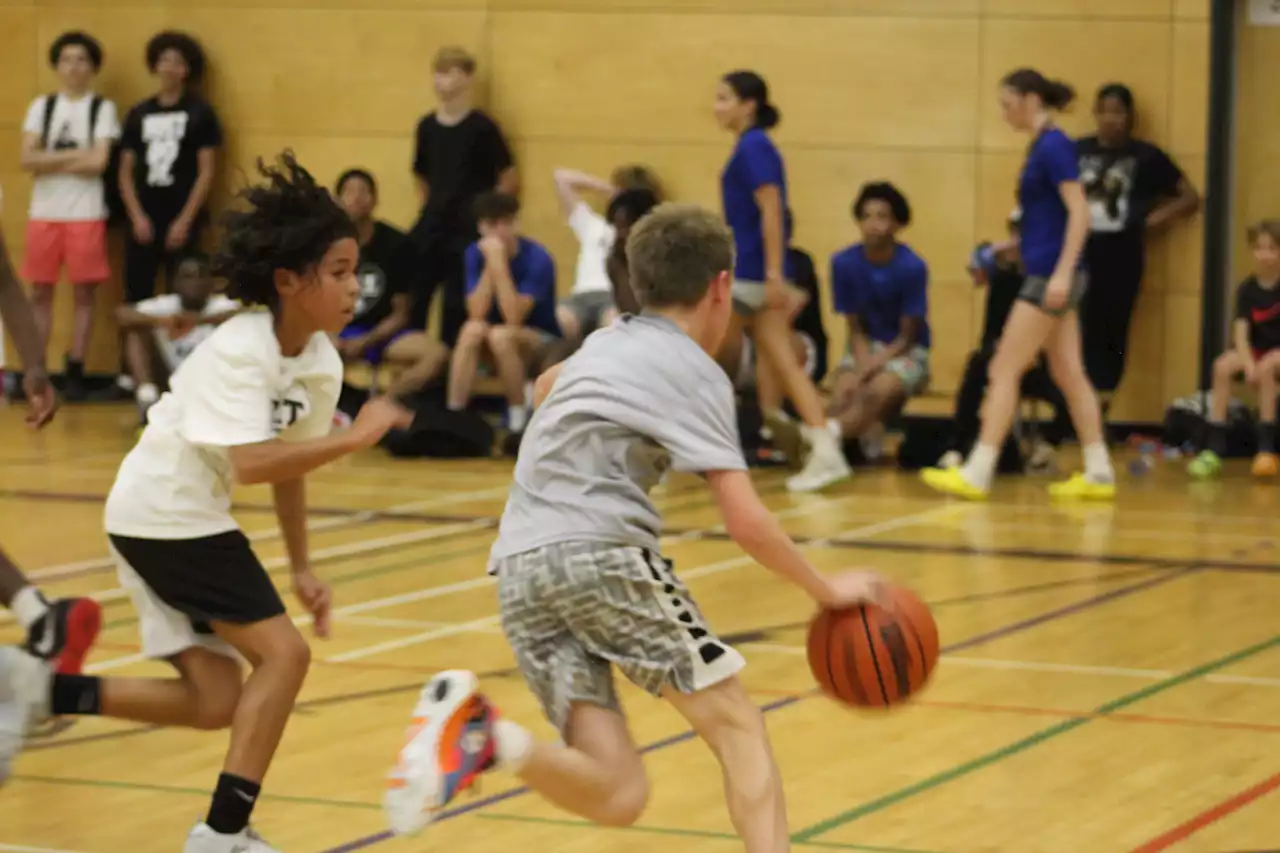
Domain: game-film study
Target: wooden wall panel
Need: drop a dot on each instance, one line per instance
(903, 90)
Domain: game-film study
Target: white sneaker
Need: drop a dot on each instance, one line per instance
(826, 465)
(448, 745)
(787, 436)
(202, 839)
(24, 701)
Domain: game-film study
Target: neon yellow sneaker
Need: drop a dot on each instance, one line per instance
(1078, 487)
(951, 481)
(1205, 466)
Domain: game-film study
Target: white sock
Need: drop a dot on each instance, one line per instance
(147, 394)
(1097, 463)
(833, 427)
(514, 745)
(124, 382)
(517, 416)
(456, 407)
(28, 606)
(980, 467)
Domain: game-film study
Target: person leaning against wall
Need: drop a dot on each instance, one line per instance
(66, 144)
(1134, 189)
(459, 153)
(168, 159)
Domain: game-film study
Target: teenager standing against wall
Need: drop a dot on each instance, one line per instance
(1134, 189)
(168, 157)
(459, 153)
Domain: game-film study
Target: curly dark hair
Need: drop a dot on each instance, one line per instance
(887, 193)
(183, 44)
(290, 223)
(77, 38)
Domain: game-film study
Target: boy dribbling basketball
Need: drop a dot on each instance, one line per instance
(581, 583)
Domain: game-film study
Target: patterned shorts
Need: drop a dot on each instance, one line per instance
(574, 610)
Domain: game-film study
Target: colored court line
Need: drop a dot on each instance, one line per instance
(1022, 745)
(944, 549)
(685, 833)
(177, 789)
(998, 633)
(1209, 816)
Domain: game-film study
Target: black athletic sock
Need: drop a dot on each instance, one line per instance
(232, 804)
(76, 694)
(1217, 438)
(1267, 437)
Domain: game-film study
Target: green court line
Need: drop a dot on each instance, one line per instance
(686, 833)
(805, 835)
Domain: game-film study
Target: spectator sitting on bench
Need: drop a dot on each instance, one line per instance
(160, 332)
(881, 287)
(999, 267)
(511, 308)
(379, 331)
(590, 305)
(1254, 356)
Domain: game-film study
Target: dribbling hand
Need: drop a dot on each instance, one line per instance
(849, 589)
(376, 418)
(42, 399)
(315, 596)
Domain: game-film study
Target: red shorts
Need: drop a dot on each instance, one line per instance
(81, 246)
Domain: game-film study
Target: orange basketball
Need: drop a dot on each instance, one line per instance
(873, 657)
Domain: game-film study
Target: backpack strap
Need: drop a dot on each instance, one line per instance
(49, 102)
(95, 107)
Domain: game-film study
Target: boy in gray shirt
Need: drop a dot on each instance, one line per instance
(581, 584)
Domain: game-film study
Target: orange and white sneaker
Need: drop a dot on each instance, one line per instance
(448, 745)
(1266, 465)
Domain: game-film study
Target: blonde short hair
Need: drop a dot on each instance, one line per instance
(451, 57)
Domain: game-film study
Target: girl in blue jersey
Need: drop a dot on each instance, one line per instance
(754, 192)
(1055, 226)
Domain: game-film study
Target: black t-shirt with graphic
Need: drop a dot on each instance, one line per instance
(383, 273)
(1259, 307)
(458, 162)
(1123, 185)
(165, 141)
(809, 320)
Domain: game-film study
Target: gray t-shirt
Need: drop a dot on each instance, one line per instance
(638, 398)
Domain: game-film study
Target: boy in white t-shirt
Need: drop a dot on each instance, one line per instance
(66, 144)
(177, 323)
(253, 404)
(591, 305)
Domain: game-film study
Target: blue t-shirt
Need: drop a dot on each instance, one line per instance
(882, 294)
(755, 163)
(534, 273)
(1051, 162)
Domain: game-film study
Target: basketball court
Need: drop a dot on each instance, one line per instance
(1110, 678)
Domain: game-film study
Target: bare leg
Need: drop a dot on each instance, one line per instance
(86, 303)
(42, 309)
(465, 363)
(204, 696)
(424, 360)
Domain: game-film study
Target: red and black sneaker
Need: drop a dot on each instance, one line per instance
(66, 633)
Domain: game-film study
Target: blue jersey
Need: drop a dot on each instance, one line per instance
(881, 295)
(533, 271)
(755, 163)
(1051, 162)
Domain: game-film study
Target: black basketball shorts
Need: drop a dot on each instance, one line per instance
(181, 586)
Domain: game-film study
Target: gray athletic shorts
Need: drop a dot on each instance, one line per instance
(574, 610)
(1034, 287)
(589, 307)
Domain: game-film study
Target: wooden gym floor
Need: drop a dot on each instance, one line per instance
(1111, 679)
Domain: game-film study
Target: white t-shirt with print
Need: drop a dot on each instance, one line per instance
(235, 389)
(175, 351)
(70, 198)
(595, 241)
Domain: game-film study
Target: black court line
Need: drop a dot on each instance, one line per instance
(896, 546)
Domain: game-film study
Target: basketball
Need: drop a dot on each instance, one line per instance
(874, 657)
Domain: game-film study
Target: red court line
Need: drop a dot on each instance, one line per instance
(1209, 816)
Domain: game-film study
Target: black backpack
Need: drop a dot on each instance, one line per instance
(116, 212)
